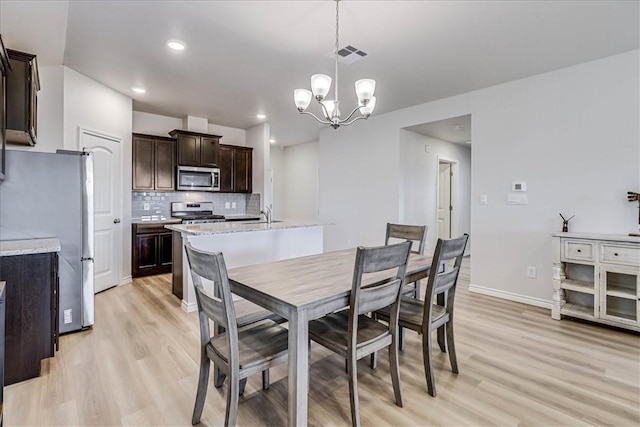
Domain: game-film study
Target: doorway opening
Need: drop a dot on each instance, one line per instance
(447, 214)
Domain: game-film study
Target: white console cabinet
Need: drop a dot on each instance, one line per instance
(597, 277)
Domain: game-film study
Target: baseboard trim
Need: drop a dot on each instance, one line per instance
(538, 302)
(189, 307)
(125, 280)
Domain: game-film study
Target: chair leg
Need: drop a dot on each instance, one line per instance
(218, 376)
(401, 337)
(452, 346)
(232, 400)
(243, 384)
(374, 360)
(353, 391)
(265, 379)
(394, 367)
(428, 366)
(201, 394)
(416, 293)
(442, 342)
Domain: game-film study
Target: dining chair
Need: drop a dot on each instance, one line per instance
(423, 316)
(353, 335)
(238, 352)
(412, 233)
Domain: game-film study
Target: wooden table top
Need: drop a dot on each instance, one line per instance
(311, 280)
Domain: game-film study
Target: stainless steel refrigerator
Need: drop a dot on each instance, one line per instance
(51, 195)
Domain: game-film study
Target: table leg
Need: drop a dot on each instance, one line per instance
(298, 368)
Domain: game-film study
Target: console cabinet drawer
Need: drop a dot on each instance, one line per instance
(580, 251)
(620, 254)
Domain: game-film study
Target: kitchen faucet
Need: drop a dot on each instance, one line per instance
(267, 214)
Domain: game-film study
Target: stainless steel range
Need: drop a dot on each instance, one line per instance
(195, 213)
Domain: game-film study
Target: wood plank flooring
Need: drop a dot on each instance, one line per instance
(518, 367)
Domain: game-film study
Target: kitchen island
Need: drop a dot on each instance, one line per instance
(242, 243)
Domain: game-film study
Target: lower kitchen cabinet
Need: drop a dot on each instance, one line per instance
(152, 250)
(31, 310)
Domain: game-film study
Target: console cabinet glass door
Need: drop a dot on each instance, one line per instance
(620, 297)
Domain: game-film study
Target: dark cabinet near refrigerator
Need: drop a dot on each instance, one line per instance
(153, 163)
(31, 328)
(152, 250)
(196, 149)
(235, 165)
(22, 87)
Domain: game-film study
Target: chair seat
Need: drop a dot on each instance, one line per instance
(331, 331)
(248, 313)
(411, 311)
(257, 344)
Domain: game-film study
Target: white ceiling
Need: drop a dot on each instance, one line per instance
(245, 57)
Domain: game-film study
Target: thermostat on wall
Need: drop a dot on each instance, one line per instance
(518, 186)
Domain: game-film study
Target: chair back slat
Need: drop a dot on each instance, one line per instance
(218, 307)
(440, 281)
(413, 233)
(378, 296)
(382, 257)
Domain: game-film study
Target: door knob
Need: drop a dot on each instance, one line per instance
(116, 221)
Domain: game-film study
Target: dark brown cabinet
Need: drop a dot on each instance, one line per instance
(153, 163)
(235, 165)
(22, 87)
(196, 149)
(152, 250)
(31, 332)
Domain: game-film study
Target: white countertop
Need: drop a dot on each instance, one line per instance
(29, 246)
(595, 236)
(240, 227)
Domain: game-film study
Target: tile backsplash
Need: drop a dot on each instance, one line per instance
(159, 203)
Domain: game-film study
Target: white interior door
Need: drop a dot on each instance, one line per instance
(444, 200)
(107, 206)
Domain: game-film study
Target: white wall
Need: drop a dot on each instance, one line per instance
(91, 105)
(418, 191)
(156, 124)
(277, 165)
(50, 109)
(258, 139)
(301, 184)
(571, 134)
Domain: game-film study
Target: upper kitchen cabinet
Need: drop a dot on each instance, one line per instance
(22, 86)
(235, 169)
(196, 149)
(4, 70)
(153, 163)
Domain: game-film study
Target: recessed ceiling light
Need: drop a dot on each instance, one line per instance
(176, 44)
(261, 116)
(272, 140)
(139, 90)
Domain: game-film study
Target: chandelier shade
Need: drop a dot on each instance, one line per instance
(320, 87)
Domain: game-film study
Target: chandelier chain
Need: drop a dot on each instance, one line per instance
(335, 87)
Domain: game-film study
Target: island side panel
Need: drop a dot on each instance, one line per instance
(251, 247)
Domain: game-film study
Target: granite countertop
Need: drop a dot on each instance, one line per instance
(595, 236)
(29, 246)
(240, 227)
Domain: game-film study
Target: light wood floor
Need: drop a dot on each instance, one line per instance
(518, 367)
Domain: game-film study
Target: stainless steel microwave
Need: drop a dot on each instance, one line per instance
(192, 178)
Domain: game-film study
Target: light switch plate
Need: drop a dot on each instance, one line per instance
(227, 205)
(517, 199)
(233, 205)
(483, 199)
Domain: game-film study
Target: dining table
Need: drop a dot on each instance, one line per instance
(303, 289)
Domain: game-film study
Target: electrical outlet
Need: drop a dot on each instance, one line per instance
(532, 272)
(146, 206)
(68, 317)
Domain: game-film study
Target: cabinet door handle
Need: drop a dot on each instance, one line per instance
(116, 221)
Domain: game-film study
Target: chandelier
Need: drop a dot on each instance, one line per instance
(320, 85)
